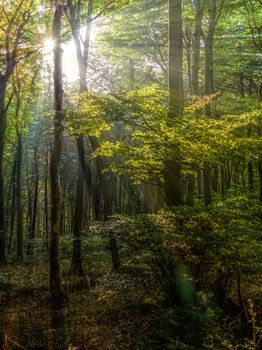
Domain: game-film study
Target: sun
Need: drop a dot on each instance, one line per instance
(49, 45)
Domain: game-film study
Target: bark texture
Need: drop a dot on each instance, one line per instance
(55, 275)
(172, 170)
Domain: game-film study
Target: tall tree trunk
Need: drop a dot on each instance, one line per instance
(10, 209)
(19, 211)
(209, 42)
(199, 6)
(188, 55)
(12, 219)
(172, 167)
(228, 174)
(209, 87)
(32, 228)
(190, 189)
(82, 59)
(207, 184)
(215, 178)
(2, 143)
(54, 259)
(200, 190)
(243, 169)
(107, 205)
(78, 214)
(114, 253)
(223, 180)
(46, 228)
(260, 134)
(260, 179)
(63, 207)
(175, 77)
(250, 172)
(29, 199)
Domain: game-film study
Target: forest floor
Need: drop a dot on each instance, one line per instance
(104, 310)
(114, 314)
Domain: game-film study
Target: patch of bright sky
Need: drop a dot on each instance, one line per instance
(70, 66)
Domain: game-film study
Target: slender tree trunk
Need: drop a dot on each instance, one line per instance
(107, 205)
(96, 194)
(236, 172)
(19, 212)
(56, 290)
(13, 205)
(12, 219)
(32, 231)
(207, 185)
(29, 202)
(89, 190)
(175, 77)
(172, 167)
(33, 197)
(243, 168)
(260, 134)
(46, 202)
(228, 174)
(199, 5)
(114, 254)
(2, 143)
(63, 207)
(209, 87)
(8, 206)
(82, 59)
(200, 190)
(260, 179)
(36, 185)
(223, 180)
(209, 41)
(188, 54)
(190, 189)
(215, 179)
(78, 214)
(173, 188)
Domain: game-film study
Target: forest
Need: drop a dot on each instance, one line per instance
(131, 174)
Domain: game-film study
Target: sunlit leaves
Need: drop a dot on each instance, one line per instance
(149, 140)
(199, 139)
(91, 114)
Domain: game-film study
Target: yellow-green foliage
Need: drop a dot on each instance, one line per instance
(195, 137)
(90, 115)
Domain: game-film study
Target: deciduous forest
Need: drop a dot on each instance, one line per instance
(131, 174)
